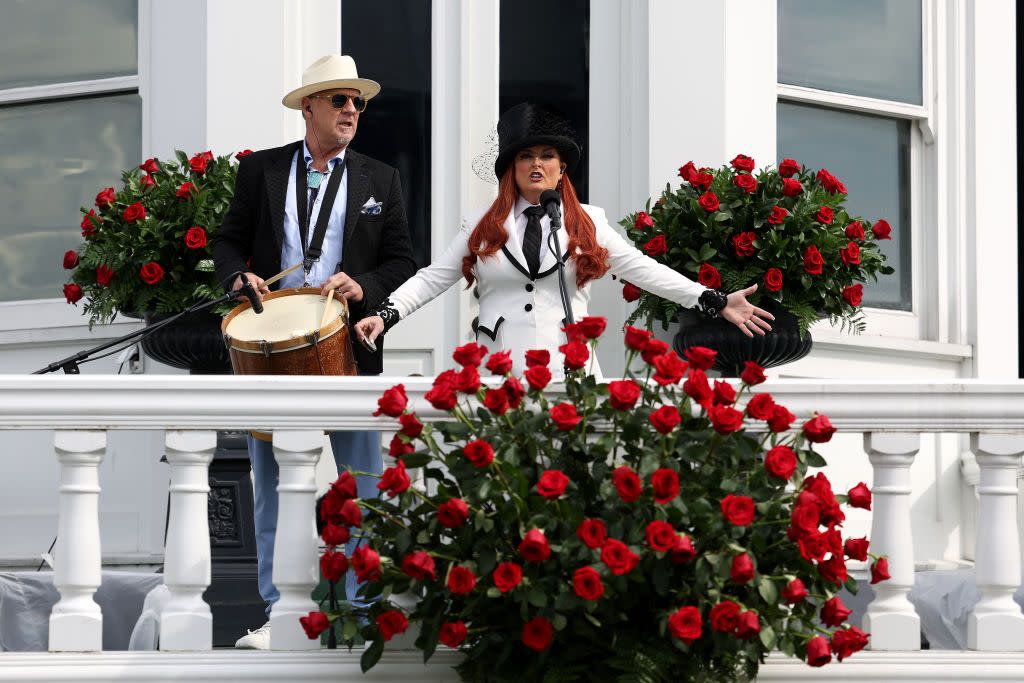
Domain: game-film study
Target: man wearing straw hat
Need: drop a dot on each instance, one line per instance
(341, 215)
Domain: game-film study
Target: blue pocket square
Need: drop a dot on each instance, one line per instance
(371, 208)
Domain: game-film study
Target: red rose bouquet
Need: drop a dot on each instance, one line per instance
(636, 528)
(784, 229)
(148, 246)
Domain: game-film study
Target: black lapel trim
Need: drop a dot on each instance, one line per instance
(519, 266)
(358, 182)
(565, 257)
(493, 335)
(276, 177)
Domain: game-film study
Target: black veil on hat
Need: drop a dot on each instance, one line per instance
(528, 124)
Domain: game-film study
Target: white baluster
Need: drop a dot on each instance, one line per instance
(296, 567)
(891, 619)
(76, 623)
(186, 622)
(996, 622)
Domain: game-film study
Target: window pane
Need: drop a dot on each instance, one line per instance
(870, 48)
(395, 128)
(46, 175)
(545, 59)
(871, 155)
(51, 41)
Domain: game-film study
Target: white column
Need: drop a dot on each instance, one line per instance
(186, 622)
(296, 569)
(891, 619)
(76, 623)
(996, 622)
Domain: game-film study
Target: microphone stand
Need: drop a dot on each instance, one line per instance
(70, 364)
(556, 224)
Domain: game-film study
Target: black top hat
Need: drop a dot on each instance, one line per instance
(527, 124)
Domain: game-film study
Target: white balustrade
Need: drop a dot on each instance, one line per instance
(76, 624)
(296, 569)
(186, 622)
(996, 624)
(891, 619)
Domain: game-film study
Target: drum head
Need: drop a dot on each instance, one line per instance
(289, 315)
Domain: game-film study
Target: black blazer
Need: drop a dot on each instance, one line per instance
(377, 251)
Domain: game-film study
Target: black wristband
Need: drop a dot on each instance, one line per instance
(711, 302)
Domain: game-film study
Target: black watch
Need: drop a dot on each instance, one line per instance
(712, 302)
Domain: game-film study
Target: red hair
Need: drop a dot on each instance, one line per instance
(489, 235)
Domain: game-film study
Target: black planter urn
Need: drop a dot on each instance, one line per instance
(193, 343)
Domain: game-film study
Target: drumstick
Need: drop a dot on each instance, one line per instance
(267, 283)
(327, 308)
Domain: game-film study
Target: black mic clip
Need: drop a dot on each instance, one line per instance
(552, 202)
(247, 291)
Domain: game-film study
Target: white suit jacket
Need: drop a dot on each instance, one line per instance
(520, 313)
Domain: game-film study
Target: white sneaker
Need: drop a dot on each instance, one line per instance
(255, 640)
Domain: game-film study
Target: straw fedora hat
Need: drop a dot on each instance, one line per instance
(328, 73)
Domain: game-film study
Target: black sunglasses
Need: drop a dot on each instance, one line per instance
(339, 100)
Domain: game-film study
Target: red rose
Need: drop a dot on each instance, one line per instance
(688, 171)
(682, 552)
(631, 292)
(135, 212)
(411, 426)
(496, 401)
(507, 576)
(513, 388)
(185, 190)
(760, 407)
(788, 168)
(818, 429)
(741, 162)
(617, 556)
(773, 280)
(656, 246)
(537, 377)
(500, 363)
(818, 652)
(725, 419)
(564, 416)
(743, 243)
(777, 215)
(243, 153)
(146, 182)
(552, 484)
(88, 227)
(538, 358)
(724, 616)
(452, 633)
(813, 261)
(846, 642)
(738, 510)
(627, 484)
(104, 274)
(880, 570)
(399, 447)
(855, 231)
(781, 419)
(534, 547)
(643, 221)
(794, 592)
(748, 625)
(392, 402)
(391, 623)
(70, 259)
(665, 484)
(853, 294)
(745, 182)
(856, 549)
(72, 293)
(537, 634)
(696, 387)
(824, 215)
(725, 394)
(685, 624)
(151, 273)
(805, 519)
(586, 583)
(661, 536)
(149, 166)
(653, 349)
(668, 368)
(882, 230)
(791, 187)
(593, 326)
(834, 569)
(105, 198)
(709, 277)
(859, 497)
(623, 394)
(708, 201)
(419, 565)
(851, 254)
(195, 238)
(453, 513)
(830, 182)
(442, 397)
(470, 354)
(742, 570)
(592, 533)
(834, 612)
(333, 565)
(335, 535)
(198, 163)
(702, 180)
(314, 624)
(461, 581)
(752, 374)
(700, 357)
(468, 381)
(576, 355)
(636, 339)
(395, 480)
(366, 563)
(665, 419)
(780, 462)
(479, 453)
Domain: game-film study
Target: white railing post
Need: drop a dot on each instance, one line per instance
(186, 622)
(891, 619)
(996, 624)
(76, 623)
(296, 569)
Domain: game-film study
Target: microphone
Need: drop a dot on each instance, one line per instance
(249, 293)
(552, 202)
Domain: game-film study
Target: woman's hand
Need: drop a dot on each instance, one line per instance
(746, 315)
(368, 329)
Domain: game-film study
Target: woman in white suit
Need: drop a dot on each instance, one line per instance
(507, 251)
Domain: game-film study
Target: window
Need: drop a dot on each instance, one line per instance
(851, 86)
(70, 122)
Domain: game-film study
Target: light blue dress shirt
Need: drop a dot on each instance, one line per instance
(292, 251)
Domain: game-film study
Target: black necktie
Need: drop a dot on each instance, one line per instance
(531, 241)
